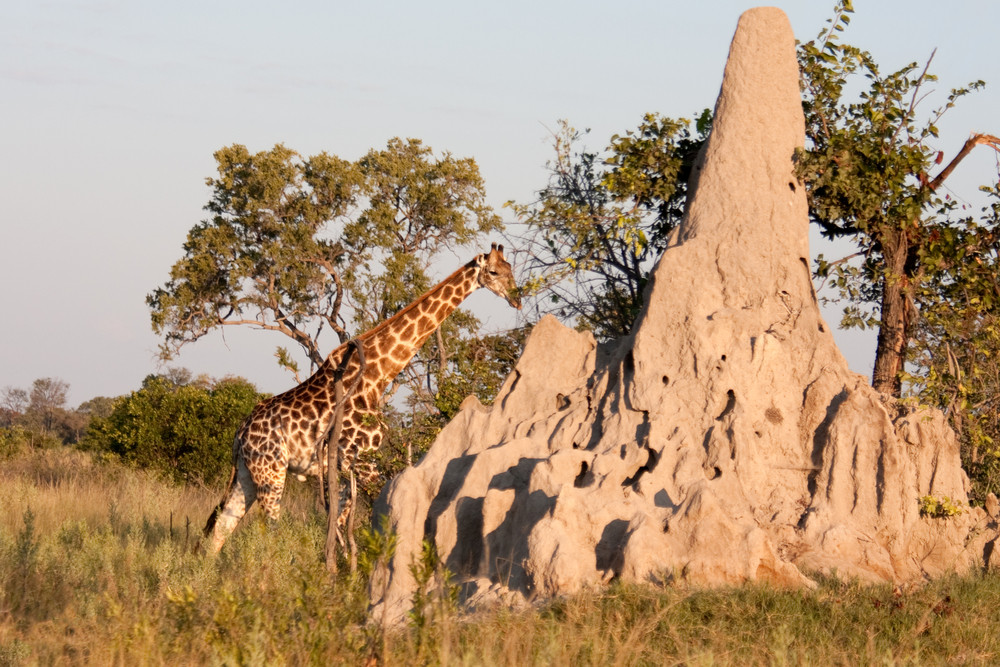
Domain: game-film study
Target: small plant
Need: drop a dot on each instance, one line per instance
(15, 652)
(435, 598)
(939, 508)
(182, 608)
(377, 545)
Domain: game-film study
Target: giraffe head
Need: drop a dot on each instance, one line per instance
(496, 275)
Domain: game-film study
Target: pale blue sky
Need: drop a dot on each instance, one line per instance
(111, 111)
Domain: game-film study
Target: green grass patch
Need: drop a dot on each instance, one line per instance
(96, 567)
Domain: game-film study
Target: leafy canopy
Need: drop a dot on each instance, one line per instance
(596, 228)
(868, 166)
(304, 245)
(182, 430)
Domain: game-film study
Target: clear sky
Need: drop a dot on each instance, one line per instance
(110, 111)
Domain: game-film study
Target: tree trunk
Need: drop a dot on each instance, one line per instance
(894, 328)
(901, 263)
(333, 475)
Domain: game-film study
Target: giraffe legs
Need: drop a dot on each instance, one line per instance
(269, 495)
(239, 497)
(260, 484)
(360, 472)
(261, 469)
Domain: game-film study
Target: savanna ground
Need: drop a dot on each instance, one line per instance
(96, 568)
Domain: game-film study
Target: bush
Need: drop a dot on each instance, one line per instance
(13, 440)
(185, 431)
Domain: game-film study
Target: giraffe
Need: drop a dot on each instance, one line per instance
(281, 435)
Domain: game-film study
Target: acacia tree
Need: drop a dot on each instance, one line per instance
(868, 168)
(301, 246)
(265, 256)
(596, 228)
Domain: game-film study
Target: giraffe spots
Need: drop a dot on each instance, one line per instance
(383, 369)
(281, 434)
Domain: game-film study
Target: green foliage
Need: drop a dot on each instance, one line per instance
(867, 169)
(290, 241)
(477, 367)
(13, 441)
(939, 508)
(956, 347)
(185, 431)
(923, 273)
(99, 406)
(376, 545)
(602, 220)
(850, 141)
(435, 598)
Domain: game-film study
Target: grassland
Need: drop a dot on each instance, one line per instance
(96, 568)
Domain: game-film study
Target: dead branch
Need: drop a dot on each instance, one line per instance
(971, 142)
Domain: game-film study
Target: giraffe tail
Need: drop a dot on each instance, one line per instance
(210, 525)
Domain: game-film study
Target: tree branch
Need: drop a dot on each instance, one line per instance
(289, 329)
(971, 142)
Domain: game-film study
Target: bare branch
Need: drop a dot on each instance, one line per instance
(970, 143)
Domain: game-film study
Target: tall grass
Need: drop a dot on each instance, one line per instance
(96, 568)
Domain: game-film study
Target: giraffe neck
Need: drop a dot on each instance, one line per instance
(390, 346)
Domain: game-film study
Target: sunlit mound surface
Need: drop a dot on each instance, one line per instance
(725, 440)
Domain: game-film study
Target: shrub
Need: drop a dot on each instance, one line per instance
(13, 440)
(185, 431)
(939, 508)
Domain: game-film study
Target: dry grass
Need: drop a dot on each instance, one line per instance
(91, 573)
(64, 485)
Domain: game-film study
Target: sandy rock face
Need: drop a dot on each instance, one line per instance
(725, 440)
